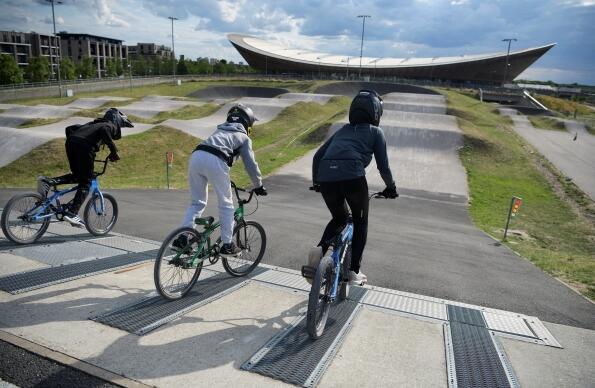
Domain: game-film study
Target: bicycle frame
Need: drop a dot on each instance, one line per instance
(340, 248)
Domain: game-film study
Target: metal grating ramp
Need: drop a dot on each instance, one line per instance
(67, 252)
(291, 356)
(473, 354)
(150, 313)
(44, 277)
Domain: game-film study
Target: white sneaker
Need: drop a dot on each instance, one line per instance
(314, 257)
(357, 279)
(74, 220)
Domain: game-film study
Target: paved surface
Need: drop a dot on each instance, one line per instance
(150, 106)
(575, 158)
(18, 115)
(233, 92)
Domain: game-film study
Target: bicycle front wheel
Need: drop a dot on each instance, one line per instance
(249, 236)
(99, 220)
(16, 223)
(320, 298)
(178, 263)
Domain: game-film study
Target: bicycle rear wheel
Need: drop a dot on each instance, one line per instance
(16, 225)
(100, 221)
(320, 298)
(177, 266)
(250, 237)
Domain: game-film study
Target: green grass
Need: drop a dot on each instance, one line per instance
(187, 112)
(499, 165)
(168, 89)
(547, 123)
(37, 122)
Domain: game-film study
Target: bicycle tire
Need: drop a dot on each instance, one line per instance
(242, 237)
(6, 219)
(319, 303)
(344, 278)
(174, 292)
(100, 224)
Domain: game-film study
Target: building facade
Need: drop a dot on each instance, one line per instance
(496, 68)
(98, 48)
(149, 51)
(24, 45)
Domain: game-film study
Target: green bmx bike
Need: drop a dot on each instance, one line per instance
(178, 266)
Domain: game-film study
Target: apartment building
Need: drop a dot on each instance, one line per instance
(99, 48)
(24, 45)
(149, 51)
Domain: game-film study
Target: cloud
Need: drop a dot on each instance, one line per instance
(48, 20)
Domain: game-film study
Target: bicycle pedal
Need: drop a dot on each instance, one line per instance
(308, 272)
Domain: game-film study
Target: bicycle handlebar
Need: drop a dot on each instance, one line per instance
(96, 174)
(237, 191)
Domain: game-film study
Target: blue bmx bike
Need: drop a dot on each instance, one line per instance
(26, 217)
(330, 280)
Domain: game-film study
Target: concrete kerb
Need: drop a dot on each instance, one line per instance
(72, 362)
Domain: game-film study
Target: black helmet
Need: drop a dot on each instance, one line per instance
(366, 107)
(242, 114)
(118, 118)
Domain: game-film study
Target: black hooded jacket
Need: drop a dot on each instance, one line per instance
(95, 134)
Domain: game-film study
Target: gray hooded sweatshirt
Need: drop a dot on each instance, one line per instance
(232, 139)
(347, 153)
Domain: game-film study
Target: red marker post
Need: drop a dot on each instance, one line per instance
(515, 204)
(169, 162)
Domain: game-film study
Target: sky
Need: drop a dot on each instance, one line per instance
(397, 28)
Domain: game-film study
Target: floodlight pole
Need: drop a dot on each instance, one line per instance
(509, 40)
(173, 48)
(59, 49)
(361, 50)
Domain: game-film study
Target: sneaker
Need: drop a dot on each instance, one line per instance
(74, 219)
(230, 250)
(357, 279)
(314, 257)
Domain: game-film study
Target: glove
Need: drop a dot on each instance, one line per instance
(113, 157)
(260, 190)
(315, 187)
(390, 192)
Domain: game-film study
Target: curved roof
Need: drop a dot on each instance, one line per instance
(319, 58)
(491, 68)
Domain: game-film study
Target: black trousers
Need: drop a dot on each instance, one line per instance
(339, 198)
(81, 158)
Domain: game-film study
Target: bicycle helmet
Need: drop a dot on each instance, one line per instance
(242, 114)
(118, 118)
(366, 108)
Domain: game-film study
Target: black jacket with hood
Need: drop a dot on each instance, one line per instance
(95, 134)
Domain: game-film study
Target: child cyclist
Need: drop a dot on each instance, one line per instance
(339, 174)
(211, 162)
(82, 144)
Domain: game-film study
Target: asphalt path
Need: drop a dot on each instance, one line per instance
(422, 242)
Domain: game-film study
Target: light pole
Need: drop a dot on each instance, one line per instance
(509, 40)
(173, 48)
(52, 2)
(319, 71)
(375, 62)
(361, 50)
(346, 60)
(130, 73)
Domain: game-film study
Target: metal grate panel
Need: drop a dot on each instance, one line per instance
(150, 313)
(126, 244)
(65, 229)
(294, 358)
(465, 315)
(66, 253)
(44, 277)
(284, 279)
(477, 362)
(405, 304)
(508, 324)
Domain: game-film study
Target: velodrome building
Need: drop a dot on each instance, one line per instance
(482, 68)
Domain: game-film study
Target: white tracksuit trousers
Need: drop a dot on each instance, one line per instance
(204, 168)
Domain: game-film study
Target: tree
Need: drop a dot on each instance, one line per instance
(38, 69)
(119, 67)
(182, 68)
(10, 73)
(67, 69)
(139, 66)
(110, 68)
(156, 65)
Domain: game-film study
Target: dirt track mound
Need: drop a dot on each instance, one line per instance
(350, 89)
(229, 92)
